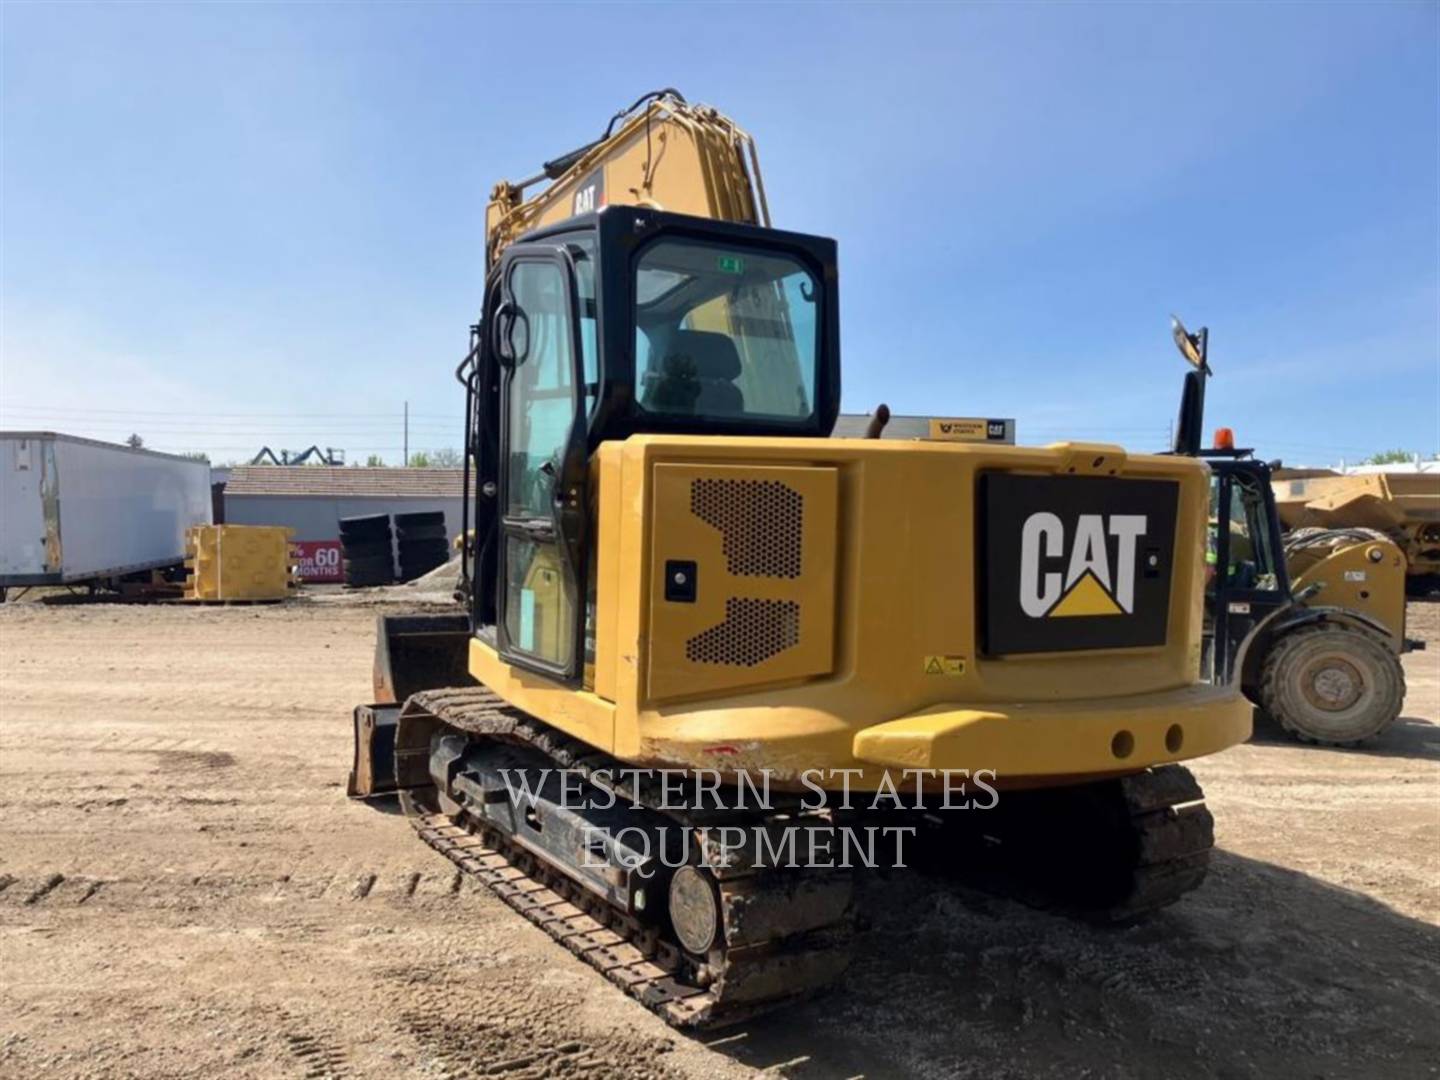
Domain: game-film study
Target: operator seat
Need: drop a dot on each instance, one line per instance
(696, 375)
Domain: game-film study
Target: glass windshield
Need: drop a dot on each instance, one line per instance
(655, 283)
(725, 333)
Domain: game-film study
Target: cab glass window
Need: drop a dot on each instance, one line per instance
(1251, 562)
(582, 251)
(541, 405)
(725, 333)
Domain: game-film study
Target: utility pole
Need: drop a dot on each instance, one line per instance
(406, 459)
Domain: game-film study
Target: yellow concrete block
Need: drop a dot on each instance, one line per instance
(239, 562)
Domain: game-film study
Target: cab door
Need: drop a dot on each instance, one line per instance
(542, 457)
(1247, 578)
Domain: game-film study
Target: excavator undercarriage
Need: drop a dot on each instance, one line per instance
(709, 916)
(709, 928)
(703, 936)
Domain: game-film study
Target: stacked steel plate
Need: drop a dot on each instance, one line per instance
(368, 551)
(422, 542)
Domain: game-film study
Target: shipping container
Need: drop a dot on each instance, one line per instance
(78, 510)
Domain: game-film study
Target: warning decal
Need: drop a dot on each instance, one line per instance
(945, 665)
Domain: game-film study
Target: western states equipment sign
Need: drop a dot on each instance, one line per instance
(320, 561)
(972, 429)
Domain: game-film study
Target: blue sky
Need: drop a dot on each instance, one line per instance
(230, 225)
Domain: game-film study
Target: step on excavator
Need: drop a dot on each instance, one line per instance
(1311, 623)
(672, 571)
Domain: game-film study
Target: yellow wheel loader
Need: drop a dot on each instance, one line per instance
(675, 576)
(1402, 506)
(1312, 625)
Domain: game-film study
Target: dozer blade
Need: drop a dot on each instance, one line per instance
(412, 653)
(373, 769)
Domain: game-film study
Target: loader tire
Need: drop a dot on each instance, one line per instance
(1332, 684)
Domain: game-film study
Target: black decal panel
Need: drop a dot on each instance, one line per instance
(590, 195)
(1074, 562)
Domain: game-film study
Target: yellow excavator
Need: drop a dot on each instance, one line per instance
(674, 574)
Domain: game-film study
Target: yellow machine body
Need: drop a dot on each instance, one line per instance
(1404, 506)
(834, 623)
(1361, 574)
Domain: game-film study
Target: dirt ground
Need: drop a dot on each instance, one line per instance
(185, 891)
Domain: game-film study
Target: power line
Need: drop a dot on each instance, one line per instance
(261, 432)
(86, 411)
(285, 423)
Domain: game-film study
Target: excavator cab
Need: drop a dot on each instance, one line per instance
(617, 323)
(614, 323)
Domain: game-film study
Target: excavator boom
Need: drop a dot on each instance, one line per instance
(662, 153)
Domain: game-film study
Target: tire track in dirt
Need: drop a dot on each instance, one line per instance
(49, 889)
(219, 883)
(321, 1055)
(512, 1028)
(44, 889)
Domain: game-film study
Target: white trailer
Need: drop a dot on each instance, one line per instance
(77, 510)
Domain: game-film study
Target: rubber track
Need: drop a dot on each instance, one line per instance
(1174, 834)
(1142, 842)
(1167, 825)
(732, 984)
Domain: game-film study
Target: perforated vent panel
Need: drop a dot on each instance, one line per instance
(759, 542)
(753, 632)
(762, 522)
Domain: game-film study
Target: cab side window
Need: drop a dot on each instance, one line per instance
(1249, 560)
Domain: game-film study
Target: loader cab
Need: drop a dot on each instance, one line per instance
(611, 324)
(1245, 576)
